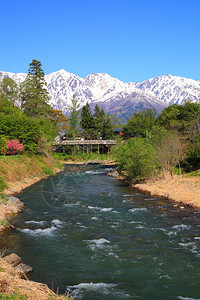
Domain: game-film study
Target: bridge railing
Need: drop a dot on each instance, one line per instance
(84, 142)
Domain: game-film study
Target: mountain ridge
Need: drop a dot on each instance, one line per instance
(113, 95)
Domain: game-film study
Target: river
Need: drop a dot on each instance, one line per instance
(97, 238)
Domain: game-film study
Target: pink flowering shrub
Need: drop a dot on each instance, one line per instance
(14, 147)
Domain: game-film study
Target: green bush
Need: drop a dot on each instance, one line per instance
(136, 159)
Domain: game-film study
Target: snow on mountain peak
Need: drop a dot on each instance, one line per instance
(114, 95)
(172, 89)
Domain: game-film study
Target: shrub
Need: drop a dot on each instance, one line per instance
(3, 145)
(136, 159)
(14, 147)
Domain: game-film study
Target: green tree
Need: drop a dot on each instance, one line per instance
(74, 116)
(186, 120)
(116, 121)
(34, 95)
(3, 145)
(169, 117)
(6, 106)
(10, 89)
(99, 120)
(27, 130)
(87, 122)
(140, 124)
(136, 159)
(107, 133)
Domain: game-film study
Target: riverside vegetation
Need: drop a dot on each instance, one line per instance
(28, 126)
(169, 142)
(150, 146)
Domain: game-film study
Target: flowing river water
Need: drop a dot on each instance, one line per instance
(97, 238)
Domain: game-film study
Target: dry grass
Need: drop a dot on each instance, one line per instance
(11, 283)
(23, 171)
(184, 189)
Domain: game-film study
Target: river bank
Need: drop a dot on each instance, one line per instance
(15, 285)
(20, 172)
(183, 189)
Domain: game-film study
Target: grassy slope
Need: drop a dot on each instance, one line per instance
(20, 172)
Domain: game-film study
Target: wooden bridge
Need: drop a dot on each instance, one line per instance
(87, 145)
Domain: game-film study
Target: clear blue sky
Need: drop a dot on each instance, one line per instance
(128, 39)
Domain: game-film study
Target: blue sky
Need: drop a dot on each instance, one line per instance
(128, 39)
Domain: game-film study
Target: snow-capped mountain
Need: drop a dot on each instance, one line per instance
(172, 89)
(113, 95)
(18, 77)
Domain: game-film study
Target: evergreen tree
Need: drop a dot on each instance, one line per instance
(107, 133)
(116, 121)
(99, 119)
(87, 121)
(74, 116)
(34, 95)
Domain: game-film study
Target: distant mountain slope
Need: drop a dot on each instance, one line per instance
(113, 95)
(172, 89)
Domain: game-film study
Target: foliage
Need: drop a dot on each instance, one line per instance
(96, 126)
(140, 124)
(107, 130)
(47, 171)
(116, 121)
(180, 117)
(7, 108)
(14, 147)
(58, 120)
(168, 118)
(99, 120)
(34, 95)
(10, 89)
(3, 184)
(136, 159)
(74, 116)
(3, 145)
(87, 121)
(24, 129)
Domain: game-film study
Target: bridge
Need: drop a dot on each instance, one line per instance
(87, 145)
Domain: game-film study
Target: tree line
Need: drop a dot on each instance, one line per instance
(155, 144)
(28, 122)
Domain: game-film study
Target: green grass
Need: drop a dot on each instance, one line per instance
(4, 222)
(3, 184)
(12, 297)
(47, 171)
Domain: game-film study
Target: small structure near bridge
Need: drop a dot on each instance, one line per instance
(86, 145)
